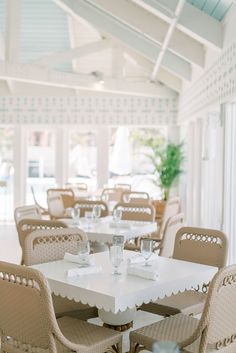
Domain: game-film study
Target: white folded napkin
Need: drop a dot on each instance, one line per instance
(136, 259)
(120, 224)
(80, 271)
(143, 271)
(89, 261)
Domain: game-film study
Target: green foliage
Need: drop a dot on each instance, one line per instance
(167, 161)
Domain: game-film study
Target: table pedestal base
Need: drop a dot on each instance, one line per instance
(120, 328)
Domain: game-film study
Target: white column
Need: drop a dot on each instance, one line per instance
(173, 134)
(102, 155)
(62, 155)
(20, 165)
(197, 173)
(189, 171)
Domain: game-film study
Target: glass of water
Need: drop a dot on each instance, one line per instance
(146, 249)
(88, 217)
(75, 214)
(117, 215)
(116, 257)
(83, 251)
(97, 212)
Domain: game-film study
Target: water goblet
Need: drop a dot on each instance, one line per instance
(117, 215)
(83, 252)
(88, 217)
(97, 212)
(146, 249)
(75, 214)
(116, 257)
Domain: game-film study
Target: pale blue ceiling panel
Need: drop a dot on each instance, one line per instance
(44, 30)
(215, 8)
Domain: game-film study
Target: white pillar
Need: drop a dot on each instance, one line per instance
(20, 165)
(173, 134)
(189, 171)
(102, 156)
(61, 156)
(197, 172)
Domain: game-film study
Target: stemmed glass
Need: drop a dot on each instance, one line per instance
(97, 212)
(88, 217)
(146, 249)
(83, 251)
(116, 257)
(75, 214)
(117, 215)
(126, 198)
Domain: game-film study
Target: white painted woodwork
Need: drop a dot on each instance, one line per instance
(126, 34)
(192, 22)
(103, 137)
(61, 155)
(20, 165)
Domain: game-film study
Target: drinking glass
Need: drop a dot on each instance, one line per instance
(119, 240)
(75, 214)
(126, 198)
(146, 249)
(83, 251)
(117, 215)
(88, 217)
(97, 212)
(116, 257)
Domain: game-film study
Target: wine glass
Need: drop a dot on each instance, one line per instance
(88, 217)
(126, 198)
(118, 240)
(75, 214)
(83, 251)
(117, 215)
(116, 257)
(146, 249)
(97, 212)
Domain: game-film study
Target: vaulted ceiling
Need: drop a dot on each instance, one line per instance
(144, 46)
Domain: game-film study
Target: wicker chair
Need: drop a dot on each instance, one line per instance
(28, 322)
(87, 205)
(204, 246)
(122, 186)
(214, 332)
(172, 208)
(135, 196)
(23, 212)
(43, 211)
(26, 226)
(77, 186)
(56, 207)
(67, 195)
(49, 245)
(111, 194)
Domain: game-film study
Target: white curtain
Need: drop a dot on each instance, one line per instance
(229, 201)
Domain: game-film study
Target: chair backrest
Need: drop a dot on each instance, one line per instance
(24, 212)
(168, 241)
(123, 186)
(26, 226)
(111, 194)
(172, 208)
(135, 196)
(27, 319)
(87, 205)
(201, 245)
(56, 207)
(136, 211)
(77, 186)
(67, 195)
(217, 326)
(50, 245)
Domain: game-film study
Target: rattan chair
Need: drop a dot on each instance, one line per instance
(28, 322)
(122, 186)
(49, 245)
(214, 332)
(111, 194)
(43, 210)
(22, 212)
(67, 195)
(135, 196)
(26, 226)
(172, 208)
(56, 207)
(77, 186)
(204, 246)
(87, 205)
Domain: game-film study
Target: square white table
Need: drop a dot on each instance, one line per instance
(119, 294)
(104, 229)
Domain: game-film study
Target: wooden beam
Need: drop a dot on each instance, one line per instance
(55, 59)
(126, 34)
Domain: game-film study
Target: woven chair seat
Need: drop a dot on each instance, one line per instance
(91, 338)
(175, 328)
(189, 303)
(67, 307)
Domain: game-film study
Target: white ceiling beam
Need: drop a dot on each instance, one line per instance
(163, 76)
(168, 36)
(55, 59)
(155, 28)
(126, 34)
(17, 72)
(192, 21)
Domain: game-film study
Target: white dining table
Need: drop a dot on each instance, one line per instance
(117, 296)
(105, 228)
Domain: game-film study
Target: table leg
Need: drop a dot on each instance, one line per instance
(121, 321)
